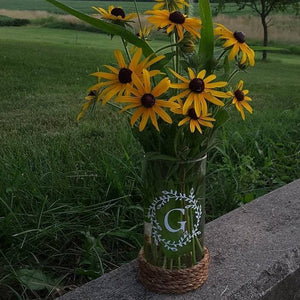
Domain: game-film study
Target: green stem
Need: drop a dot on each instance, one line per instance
(126, 50)
(171, 263)
(232, 74)
(165, 47)
(139, 19)
(118, 107)
(177, 55)
(220, 56)
(193, 240)
(179, 262)
(200, 246)
(165, 262)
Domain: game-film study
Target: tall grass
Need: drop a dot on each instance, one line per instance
(69, 192)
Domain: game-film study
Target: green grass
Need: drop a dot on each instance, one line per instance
(69, 193)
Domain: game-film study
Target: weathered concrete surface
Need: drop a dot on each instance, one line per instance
(255, 254)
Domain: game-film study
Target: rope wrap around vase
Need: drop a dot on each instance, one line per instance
(177, 281)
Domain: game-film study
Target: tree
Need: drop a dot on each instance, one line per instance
(263, 8)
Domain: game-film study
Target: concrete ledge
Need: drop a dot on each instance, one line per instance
(255, 254)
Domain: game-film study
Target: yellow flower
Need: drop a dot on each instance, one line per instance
(91, 99)
(120, 79)
(115, 14)
(198, 90)
(175, 20)
(240, 99)
(236, 40)
(146, 102)
(195, 121)
(170, 4)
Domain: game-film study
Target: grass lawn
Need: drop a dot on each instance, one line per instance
(69, 197)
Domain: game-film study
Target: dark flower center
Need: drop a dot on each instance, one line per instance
(92, 93)
(197, 85)
(125, 75)
(117, 11)
(148, 100)
(239, 95)
(240, 36)
(192, 114)
(177, 17)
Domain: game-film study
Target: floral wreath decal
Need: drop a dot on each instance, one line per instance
(156, 228)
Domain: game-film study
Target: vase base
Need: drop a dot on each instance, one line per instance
(177, 281)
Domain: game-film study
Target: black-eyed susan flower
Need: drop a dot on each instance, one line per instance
(115, 14)
(170, 4)
(90, 100)
(237, 42)
(175, 20)
(196, 121)
(240, 99)
(198, 90)
(146, 100)
(119, 79)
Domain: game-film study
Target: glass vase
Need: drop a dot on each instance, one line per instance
(174, 204)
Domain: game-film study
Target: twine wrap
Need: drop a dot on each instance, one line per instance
(173, 281)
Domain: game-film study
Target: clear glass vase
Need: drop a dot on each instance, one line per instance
(174, 203)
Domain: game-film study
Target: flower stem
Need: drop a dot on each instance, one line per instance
(171, 263)
(118, 107)
(139, 19)
(233, 74)
(220, 56)
(165, 262)
(165, 47)
(193, 239)
(126, 50)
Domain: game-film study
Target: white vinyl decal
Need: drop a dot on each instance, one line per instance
(158, 203)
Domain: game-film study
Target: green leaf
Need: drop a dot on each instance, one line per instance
(221, 118)
(107, 27)
(33, 279)
(166, 59)
(206, 46)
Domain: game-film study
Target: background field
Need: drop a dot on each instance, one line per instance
(70, 193)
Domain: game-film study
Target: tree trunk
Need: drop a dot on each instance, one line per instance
(265, 43)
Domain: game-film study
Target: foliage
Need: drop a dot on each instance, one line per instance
(74, 188)
(7, 21)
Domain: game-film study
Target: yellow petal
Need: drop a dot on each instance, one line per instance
(161, 88)
(191, 73)
(153, 119)
(136, 115)
(162, 114)
(201, 74)
(144, 120)
(186, 119)
(120, 59)
(213, 99)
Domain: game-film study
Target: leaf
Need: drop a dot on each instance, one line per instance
(165, 60)
(221, 118)
(206, 46)
(107, 27)
(226, 65)
(34, 279)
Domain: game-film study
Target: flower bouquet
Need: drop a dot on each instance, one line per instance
(177, 97)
